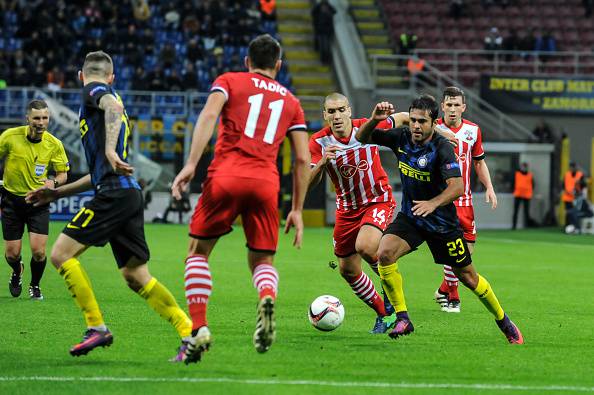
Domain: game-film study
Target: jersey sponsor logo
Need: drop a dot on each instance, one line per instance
(411, 172)
(422, 161)
(348, 171)
(269, 86)
(97, 89)
(39, 169)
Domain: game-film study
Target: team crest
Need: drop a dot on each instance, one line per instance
(39, 170)
(422, 161)
(348, 171)
(468, 135)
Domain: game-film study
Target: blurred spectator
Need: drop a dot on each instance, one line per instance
(493, 40)
(523, 191)
(268, 8)
(543, 133)
(587, 7)
(168, 55)
(572, 187)
(415, 67)
(174, 83)
(156, 80)
(511, 43)
(142, 11)
(139, 80)
(323, 23)
(190, 78)
(457, 9)
(408, 42)
(545, 43)
(526, 42)
(581, 209)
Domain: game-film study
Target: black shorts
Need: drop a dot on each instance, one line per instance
(447, 248)
(16, 213)
(116, 217)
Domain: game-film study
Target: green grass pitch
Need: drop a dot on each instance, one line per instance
(543, 278)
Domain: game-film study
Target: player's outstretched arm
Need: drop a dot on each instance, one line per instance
(202, 134)
(44, 195)
(318, 170)
(301, 177)
(381, 112)
(482, 171)
(113, 112)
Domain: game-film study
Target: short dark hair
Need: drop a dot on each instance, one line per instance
(36, 104)
(453, 91)
(426, 103)
(98, 63)
(264, 51)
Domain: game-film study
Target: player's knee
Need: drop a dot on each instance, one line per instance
(38, 255)
(132, 282)
(367, 253)
(57, 258)
(386, 257)
(349, 273)
(12, 254)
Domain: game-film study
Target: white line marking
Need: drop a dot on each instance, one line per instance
(363, 384)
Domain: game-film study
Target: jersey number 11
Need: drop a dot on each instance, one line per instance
(276, 108)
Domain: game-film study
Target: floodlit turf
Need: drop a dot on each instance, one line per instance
(543, 278)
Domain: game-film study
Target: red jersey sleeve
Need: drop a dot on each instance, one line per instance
(298, 121)
(478, 151)
(221, 84)
(315, 150)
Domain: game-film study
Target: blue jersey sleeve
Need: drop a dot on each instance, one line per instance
(388, 137)
(447, 162)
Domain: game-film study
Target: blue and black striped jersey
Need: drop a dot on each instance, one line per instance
(424, 170)
(92, 129)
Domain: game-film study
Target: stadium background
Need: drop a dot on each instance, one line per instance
(166, 53)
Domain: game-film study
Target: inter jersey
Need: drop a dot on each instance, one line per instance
(92, 129)
(470, 147)
(357, 173)
(424, 170)
(257, 115)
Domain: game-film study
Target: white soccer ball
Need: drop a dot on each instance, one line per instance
(326, 313)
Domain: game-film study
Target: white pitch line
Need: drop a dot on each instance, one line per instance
(363, 384)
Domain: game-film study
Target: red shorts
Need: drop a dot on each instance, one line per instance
(224, 198)
(348, 224)
(466, 218)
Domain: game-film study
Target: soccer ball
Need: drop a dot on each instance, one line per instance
(326, 313)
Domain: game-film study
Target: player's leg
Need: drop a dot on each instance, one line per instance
(64, 257)
(13, 226)
(400, 238)
(38, 226)
(259, 202)
(483, 290)
(38, 261)
(213, 216)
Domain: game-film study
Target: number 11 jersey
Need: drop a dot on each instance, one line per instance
(255, 119)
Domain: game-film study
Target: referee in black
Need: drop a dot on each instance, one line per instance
(28, 151)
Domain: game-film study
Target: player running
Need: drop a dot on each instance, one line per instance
(431, 181)
(364, 201)
(469, 150)
(256, 114)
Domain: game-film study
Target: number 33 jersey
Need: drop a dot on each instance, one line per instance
(257, 115)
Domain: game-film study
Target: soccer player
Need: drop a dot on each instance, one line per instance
(469, 150)
(364, 201)
(29, 151)
(256, 114)
(114, 215)
(431, 181)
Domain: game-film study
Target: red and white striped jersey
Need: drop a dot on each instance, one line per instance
(357, 172)
(470, 147)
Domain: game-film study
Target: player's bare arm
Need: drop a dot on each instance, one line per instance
(202, 134)
(301, 177)
(381, 112)
(400, 119)
(60, 179)
(484, 176)
(44, 195)
(317, 172)
(454, 190)
(113, 111)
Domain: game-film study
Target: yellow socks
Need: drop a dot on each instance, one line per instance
(80, 287)
(161, 300)
(487, 296)
(392, 282)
